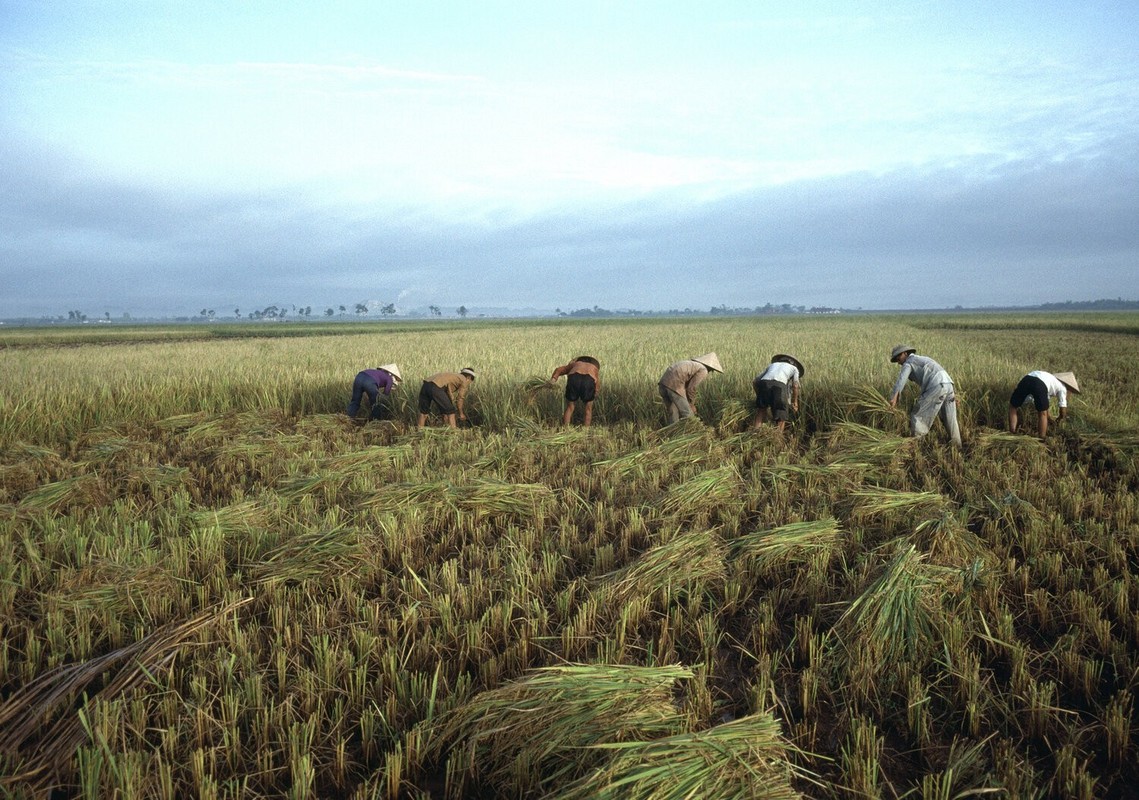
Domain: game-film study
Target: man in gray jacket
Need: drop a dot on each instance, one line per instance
(937, 395)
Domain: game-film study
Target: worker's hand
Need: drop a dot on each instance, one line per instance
(893, 401)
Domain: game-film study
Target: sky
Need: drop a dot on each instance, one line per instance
(159, 157)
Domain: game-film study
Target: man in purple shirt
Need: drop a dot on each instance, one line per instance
(371, 382)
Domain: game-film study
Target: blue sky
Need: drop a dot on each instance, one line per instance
(159, 157)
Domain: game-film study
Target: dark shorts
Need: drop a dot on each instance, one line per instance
(430, 393)
(1030, 385)
(775, 395)
(580, 387)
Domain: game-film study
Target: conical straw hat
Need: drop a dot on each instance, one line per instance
(1069, 380)
(393, 370)
(711, 361)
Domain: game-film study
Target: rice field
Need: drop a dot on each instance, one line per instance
(214, 584)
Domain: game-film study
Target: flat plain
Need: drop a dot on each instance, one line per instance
(215, 584)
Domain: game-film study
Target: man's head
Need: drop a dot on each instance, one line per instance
(900, 353)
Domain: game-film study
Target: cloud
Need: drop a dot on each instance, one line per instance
(982, 231)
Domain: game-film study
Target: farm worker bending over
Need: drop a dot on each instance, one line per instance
(1041, 387)
(678, 384)
(777, 390)
(371, 382)
(937, 395)
(583, 381)
(446, 390)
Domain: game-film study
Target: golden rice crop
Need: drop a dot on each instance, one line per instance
(521, 608)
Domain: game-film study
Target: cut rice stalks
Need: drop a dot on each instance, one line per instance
(534, 732)
(747, 757)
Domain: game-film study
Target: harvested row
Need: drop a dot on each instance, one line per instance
(266, 602)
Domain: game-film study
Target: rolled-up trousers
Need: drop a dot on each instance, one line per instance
(675, 404)
(939, 401)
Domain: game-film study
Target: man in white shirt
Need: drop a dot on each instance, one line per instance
(1041, 387)
(777, 390)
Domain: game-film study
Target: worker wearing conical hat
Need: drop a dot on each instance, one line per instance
(777, 390)
(371, 382)
(1041, 387)
(678, 384)
(937, 397)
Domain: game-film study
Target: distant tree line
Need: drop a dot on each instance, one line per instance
(720, 310)
(1118, 304)
(305, 312)
(360, 310)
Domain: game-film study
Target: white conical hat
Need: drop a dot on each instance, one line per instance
(710, 360)
(393, 370)
(1069, 380)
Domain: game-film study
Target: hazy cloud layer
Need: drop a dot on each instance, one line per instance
(980, 232)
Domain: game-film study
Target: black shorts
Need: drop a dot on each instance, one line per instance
(1030, 385)
(431, 393)
(775, 395)
(580, 387)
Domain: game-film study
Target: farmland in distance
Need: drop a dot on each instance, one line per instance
(214, 584)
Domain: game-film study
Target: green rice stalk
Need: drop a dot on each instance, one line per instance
(630, 464)
(747, 757)
(988, 441)
(708, 488)
(867, 399)
(536, 383)
(180, 422)
(687, 561)
(40, 725)
(99, 452)
(895, 617)
(853, 441)
(358, 461)
(534, 732)
(879, 501)
(160, 476)
(796, 543)
(965, 774)
(486, 496)
(236, 517)
(309, 555)
(32, 452)
(54, 496)
(734, 415)
(950, 542)
(674, 447)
